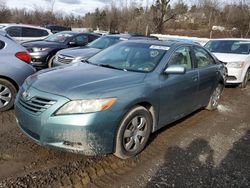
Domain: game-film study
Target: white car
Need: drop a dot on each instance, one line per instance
(24, 33)
(234, 53)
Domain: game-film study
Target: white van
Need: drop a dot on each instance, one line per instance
(24, 33)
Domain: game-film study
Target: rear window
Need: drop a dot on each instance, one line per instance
(32, 32)
(230, 46)
(14, 31)
(2, 44)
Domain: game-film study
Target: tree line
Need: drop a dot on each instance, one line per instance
(159, 17)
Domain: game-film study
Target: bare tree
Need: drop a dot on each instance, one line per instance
(162, 13)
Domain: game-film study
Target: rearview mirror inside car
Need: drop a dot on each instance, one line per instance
(175, 69)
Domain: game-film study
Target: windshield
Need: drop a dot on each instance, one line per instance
(130, 57)
(59, 37)
(103, 42)
(231, 46)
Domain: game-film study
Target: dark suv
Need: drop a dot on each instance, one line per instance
(57, 28)
(42, 52)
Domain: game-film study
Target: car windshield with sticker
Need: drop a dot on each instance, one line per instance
(130, 57)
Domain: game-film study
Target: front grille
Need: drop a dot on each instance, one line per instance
(64, 59)
(36, 105)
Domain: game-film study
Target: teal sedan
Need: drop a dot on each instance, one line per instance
(112, 102)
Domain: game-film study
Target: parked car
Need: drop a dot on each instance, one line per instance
(114, 101)
(14, 69)
(43, 51)
(57, 28)
(236, 55)
(72, 55)
(23, 33)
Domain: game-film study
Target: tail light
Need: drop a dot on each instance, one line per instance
(24, 56)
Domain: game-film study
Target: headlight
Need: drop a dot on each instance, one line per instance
(79, 59)
(40, 49)
(86, 106)
(238, 65)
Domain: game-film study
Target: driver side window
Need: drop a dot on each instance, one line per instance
(81, 40)
(182, 56)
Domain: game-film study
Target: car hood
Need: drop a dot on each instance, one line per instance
(43, 44)
(81, 80)
(226, 57)
(80, 52)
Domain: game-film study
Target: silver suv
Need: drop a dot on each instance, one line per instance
(14, 69)
(23, 33)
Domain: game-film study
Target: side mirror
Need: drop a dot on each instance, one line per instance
(175, 69)
(72, 43)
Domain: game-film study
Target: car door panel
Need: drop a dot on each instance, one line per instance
(178, 91)
(177, 96)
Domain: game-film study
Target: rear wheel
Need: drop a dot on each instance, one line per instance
(214, 100)
(7, 95)
(246, 78)
(133, 133)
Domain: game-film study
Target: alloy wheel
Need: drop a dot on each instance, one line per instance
(5, 96)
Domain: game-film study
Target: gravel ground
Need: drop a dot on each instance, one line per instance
(206, 149)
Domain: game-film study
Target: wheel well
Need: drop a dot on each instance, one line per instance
(151, 109)
(11, 81)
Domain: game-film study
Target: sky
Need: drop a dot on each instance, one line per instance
(75, 7)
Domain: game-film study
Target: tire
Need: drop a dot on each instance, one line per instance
(215, 97)
(246, 78)
(7, 95)
(133, 133)
(50, 62)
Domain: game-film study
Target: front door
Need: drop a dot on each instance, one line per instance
(178, 92)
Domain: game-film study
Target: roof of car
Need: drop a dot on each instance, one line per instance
(230, 39)
(76, 33)
(129, 36)
(22, 25)
(156, 42)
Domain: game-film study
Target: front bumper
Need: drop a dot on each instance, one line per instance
(89, 134)
(234, 76)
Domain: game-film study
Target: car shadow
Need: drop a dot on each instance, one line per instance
(194, 166)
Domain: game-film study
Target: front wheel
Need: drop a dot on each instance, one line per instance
(214, 100)
(133, 133)
(246, 78)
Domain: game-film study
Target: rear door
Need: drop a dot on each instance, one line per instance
(178, 94)
(208, 74)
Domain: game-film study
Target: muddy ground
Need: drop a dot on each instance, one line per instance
(206, 149)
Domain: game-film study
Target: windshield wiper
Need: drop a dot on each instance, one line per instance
(86, 61)
(110, 66)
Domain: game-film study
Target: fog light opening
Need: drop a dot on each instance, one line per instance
(72, 144)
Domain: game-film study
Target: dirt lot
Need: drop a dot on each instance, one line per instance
(206, 149)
